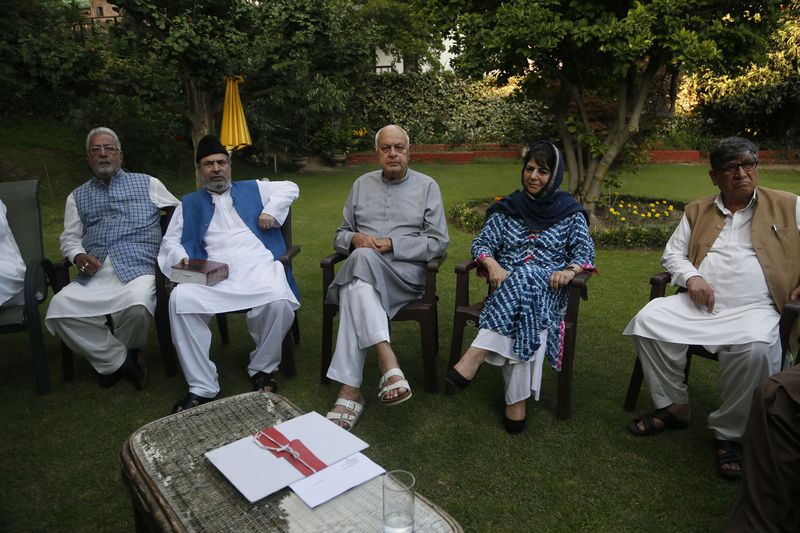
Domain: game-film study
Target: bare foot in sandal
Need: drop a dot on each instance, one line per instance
(348, 407)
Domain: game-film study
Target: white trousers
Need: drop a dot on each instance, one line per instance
(267, 324)
(91, 337)
(521, 379)
(362, 323)
(743, 367)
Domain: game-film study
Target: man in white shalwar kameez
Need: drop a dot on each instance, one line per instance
(12, 267)
(393, 224)
(736, 253)
(111, 233)
(238, 224)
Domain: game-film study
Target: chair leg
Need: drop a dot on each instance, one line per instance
(222, 324)
(429, 349)
(634, 387)
(39, 357)
(66, 363)
(288, 363)
(328, 312)
(457, 339)
(296, 329)
(564, 394)
(164, 333)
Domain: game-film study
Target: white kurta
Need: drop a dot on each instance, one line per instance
(743, 309)
(255, 277)
(105, 294)
(12, 267)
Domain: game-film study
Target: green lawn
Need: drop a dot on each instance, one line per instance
(59, 453)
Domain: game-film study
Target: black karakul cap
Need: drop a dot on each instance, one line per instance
(209, 145)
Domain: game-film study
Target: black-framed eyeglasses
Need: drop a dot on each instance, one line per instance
(107, 148)
(733, 168)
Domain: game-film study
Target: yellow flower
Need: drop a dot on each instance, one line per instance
(652, 205)
(622, 219)
(671, 208)
(658, 215)
(642, 215)
(635, 212)
(649, 215)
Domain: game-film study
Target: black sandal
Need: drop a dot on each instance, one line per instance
(731, 454)
(263, 379)
(669, 421)
(189, 401)
(455, 380)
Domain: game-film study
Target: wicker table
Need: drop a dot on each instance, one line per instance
(173, 487)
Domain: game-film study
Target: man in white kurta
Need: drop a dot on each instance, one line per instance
(393, 224)
(12, 267)
(111, 233)
(256, 279)
(729, 307)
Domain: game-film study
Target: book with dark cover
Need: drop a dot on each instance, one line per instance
(199, 271)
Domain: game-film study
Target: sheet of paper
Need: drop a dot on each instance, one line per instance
(336, 479)
(257, 473)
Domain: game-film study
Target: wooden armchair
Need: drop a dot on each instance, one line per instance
(658, 289)
(24, 218)
(466, 314)
(61, 276)
(424, 311)
(164, 287)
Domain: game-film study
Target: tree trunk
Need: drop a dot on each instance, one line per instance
(200, 113)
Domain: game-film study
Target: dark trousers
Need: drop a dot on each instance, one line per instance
(768, 497)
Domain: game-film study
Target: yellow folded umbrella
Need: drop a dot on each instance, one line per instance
(234, 134)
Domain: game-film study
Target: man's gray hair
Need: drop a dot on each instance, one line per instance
(378, 134)
(106, 131)
(731, 148)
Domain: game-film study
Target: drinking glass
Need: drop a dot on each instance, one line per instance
(398, 502)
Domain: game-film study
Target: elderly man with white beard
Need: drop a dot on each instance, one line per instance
(237, 223)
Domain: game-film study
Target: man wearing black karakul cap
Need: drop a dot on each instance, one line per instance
(237, 223)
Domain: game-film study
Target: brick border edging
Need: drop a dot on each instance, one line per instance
(430, 153)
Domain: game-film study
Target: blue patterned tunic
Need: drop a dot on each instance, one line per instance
(524, 305)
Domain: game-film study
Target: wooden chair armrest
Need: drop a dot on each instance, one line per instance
(290, 253)
(61, 276)
(465, 266)
(658, 284)
(579, 283)
(432, 269)
(789, 315)
(327, 264)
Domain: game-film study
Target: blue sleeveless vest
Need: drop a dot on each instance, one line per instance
(198, 210)
(121, 221)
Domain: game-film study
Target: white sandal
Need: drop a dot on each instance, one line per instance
(399, 384)
(349, 419)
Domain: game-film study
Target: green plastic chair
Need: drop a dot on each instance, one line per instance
(22, 203)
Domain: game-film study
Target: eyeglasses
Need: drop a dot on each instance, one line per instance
(107, 148)
(733, 168)
(399, 148)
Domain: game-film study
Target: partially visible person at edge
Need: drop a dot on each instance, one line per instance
(736, 254)
(111, 233)
(12, 267)
(393, 224)
(237, 223)
(768, 497)
(533, 243)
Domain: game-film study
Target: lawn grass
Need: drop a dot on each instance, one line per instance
(59, 453)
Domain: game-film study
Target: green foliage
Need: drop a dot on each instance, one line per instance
(441, 108)
(465, 217)
(633, 236)
(763, 100)
(593, 63)
(45, 57)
